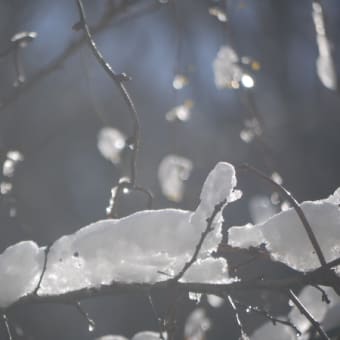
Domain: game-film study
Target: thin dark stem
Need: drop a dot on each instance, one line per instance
(8, 329)
(155, 313)
(324, 296)
(119, 79)
(287, 195)
(46, 252)
(73, 47)
(237, 317)
(133, 141)
(90, 322)
(267, 315)
(204, 234)
(303, 310)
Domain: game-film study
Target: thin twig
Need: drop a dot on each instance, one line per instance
(119, 79)
(267, 315)
(133, 141)
(73, 47)
(303, 310)
(287, 195)
(46, 252)
(324, 295)
(243, 334)
(91, 323)
(204, 234)
(8, 329)
(160, 322)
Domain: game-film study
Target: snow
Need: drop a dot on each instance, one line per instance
(143, 246)
(20, 269)
(286, 239)
(139, 248)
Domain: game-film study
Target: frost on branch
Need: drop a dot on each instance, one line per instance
(287, 241)
(138, 248)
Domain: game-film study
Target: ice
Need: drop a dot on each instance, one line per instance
(173, 171)
(286, 239)
(20, 269)
(143, 246)
(111, 143)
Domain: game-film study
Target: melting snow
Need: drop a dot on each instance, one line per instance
(132, 249)
(286, 239)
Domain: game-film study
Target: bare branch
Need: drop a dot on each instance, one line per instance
(155, 313)
(204, 234)
(73, 47)
(303, 310)
(295, 205)
(118, 79)
(8, 329)
(90, 322)
(133, 141)
(255, 309)
(237, 317)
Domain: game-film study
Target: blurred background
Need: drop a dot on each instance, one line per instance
(237, 81)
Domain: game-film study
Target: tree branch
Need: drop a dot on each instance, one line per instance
(303, 310)
(296, 207)
(204, 234)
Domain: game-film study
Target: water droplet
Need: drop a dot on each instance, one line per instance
(180, 81)
(247, 81)
(276, 178)
(91, 327)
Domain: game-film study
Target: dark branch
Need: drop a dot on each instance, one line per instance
(118, 79)
(255, 309)
(287, 195)
(73, 47)
(237, 317)
(8, 329)
(204, 234)
(303, 310)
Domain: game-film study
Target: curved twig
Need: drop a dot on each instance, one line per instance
(303, 310)
(296, 207)
(119, 79)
